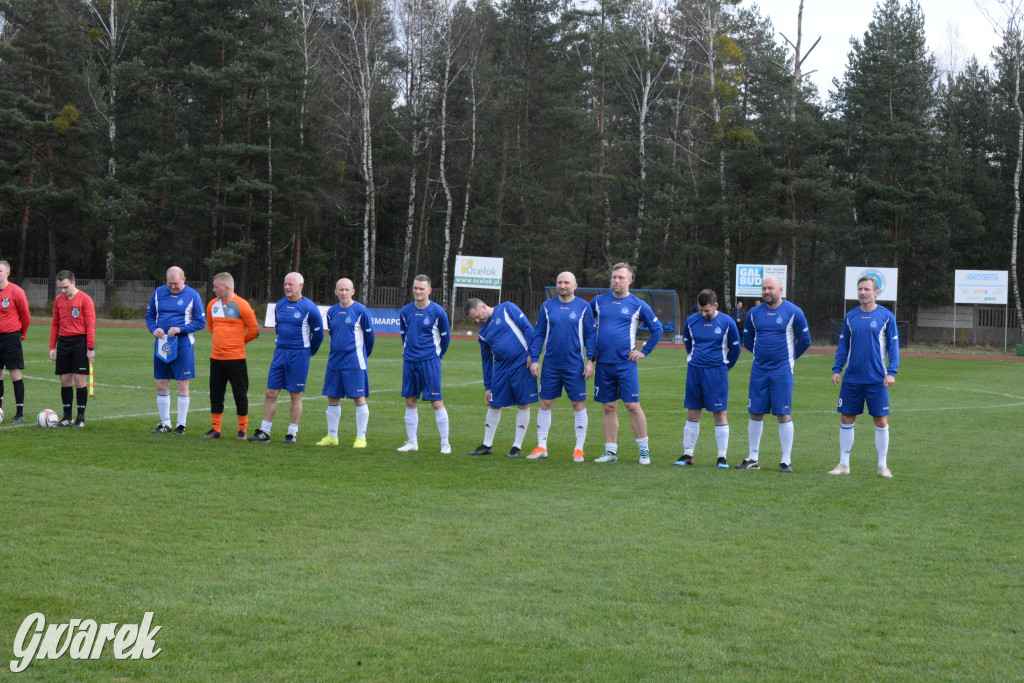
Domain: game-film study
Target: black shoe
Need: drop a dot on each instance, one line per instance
(179, 431)
(18, 419)
(722, 464)
(785, 468)
(212, 434)
(66, 422)
(79, 423)
(161, 429)
(481, 450)
(749, 464)
(291, 438)
(241, 435)
(259, 435)
(684, 460)
(513, 452)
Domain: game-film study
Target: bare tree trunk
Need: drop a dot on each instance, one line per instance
(469, 174)
(1016, 191)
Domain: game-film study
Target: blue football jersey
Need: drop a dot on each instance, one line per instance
(504, 340)
(425, 332)
(565, 331)
(351, 336)
(183, 310)
(869, 346)
(618, 320)
(776, 336)
(711, 343)
(298, 325)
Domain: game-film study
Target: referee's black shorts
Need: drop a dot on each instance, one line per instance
(11, 356)
(222, 372)
(72, 358)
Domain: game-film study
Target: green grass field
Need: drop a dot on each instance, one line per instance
(295, 563)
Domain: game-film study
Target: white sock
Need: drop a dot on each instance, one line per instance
(845, 443)
(412, 423)
(642, 444)
(522, 424)
(333, 418)
(882, 444)
(163, 406)
(543, 426)
(183, 402)
(265, 426)
(581, 421)
(754, 429)
(786, 438)
(491, 425)
(722, 439)
(441, 417)
(690, 433)
(293, 428)
(611, 447)
(362, 419)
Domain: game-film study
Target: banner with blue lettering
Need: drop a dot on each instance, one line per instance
(385, 320)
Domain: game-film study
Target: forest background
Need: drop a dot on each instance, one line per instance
(377, 139)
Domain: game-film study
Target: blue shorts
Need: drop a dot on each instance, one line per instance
(289, 369)
(616, 381)
(422, 379)
(353, 383)
(552, 380)
(770, 394)
(853, 396)
(513, 388)
(182, 367)
(707, 388)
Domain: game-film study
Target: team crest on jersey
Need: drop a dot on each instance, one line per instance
(216, 309)
(874, 323)
(778, 321)
(181, 302)
(718, 330)
(296, 315)
(497, 321)
(625, 311)
(348, 318)
(6, 302)
(572, 316)
(75, 311)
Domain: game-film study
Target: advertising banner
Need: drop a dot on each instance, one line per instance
(981, 287)
(884, 277)
(478, 272)
(750, 276)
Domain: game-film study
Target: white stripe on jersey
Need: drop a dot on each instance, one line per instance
(515, 330)
(435, 332)
(693, 345)
(579, 333)
(307, 334)
(188, 319)
(547, 327)
(634, 323)
(357, 333)
(725, 346)
(791, 343)
(883, 349)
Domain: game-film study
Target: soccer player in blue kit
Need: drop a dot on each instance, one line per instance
(300, 331)
(776, 332)
(425, 338)
(565, 328)
(869, 347)
(351, 330)
(712, 347)
(505, 335)
(175, 311)
(619, 314)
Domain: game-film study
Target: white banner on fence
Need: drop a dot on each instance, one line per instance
(478, 272)
(981, 287)
(885, 277)
(749, 278)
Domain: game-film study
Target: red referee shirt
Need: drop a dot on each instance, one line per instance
(76, 315)
(14, 314)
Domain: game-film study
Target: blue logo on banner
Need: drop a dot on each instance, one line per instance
(386, 320)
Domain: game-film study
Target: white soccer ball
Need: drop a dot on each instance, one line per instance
(47, 419)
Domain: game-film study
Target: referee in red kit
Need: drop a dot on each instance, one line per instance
(72, 342)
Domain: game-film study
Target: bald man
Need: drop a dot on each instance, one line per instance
(348, 323)
(300, 331)
(175, 313)
(565, 328)
(776, 332)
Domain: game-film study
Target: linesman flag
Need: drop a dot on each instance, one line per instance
(91, 385)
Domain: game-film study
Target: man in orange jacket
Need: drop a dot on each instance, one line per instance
(232, 323)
